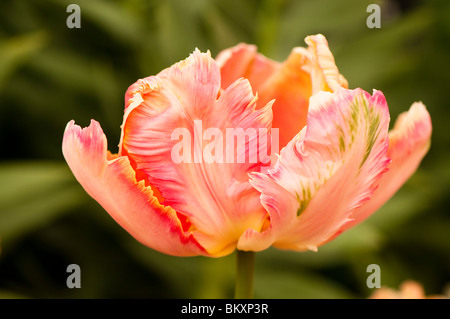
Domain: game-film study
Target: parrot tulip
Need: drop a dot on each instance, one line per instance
(337, 165)
(409, 289)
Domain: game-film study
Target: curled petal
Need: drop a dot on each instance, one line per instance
(327, 171)
(288, 83)
(325, 75)
(291, 83)
(174, 133)
(111, 181)
(409, 142)
(290, 86)
(243, 61)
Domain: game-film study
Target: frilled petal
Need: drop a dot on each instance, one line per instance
(325, 75)
(173, 132)
(244, 61)
(409, 142)
(327, 171)
(290, 86)
(111, 181)
(291, 83)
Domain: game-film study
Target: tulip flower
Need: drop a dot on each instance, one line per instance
(409, 289)
(337, 165)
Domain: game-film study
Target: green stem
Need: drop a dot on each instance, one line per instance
(244, 274)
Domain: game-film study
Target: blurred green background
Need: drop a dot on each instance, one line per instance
(50, 74)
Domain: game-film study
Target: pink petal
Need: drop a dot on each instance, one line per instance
(111, 181)
(215, 197)
(290, 86)
(243, 61)
(409, 142)
(291, 83)
(286, 82)
(327, 171)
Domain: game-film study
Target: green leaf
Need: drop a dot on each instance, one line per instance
(33, 194)
(18, 50)
(280, 283)
(6, 294)
(110, 16)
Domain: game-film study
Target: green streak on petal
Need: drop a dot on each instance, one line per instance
(374, 119)
(359, 108)
(306, 192)
(354, 120)
(372, 136)
(341, 139)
